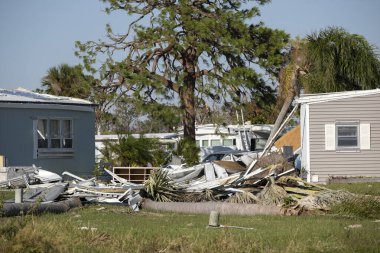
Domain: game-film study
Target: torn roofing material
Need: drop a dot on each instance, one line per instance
(21, 95)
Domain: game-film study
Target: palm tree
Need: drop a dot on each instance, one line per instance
(65, 80)
(328, 61)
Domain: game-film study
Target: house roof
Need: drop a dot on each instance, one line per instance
(325, 97)
(100, 137)
(21, 95)
(206, 129)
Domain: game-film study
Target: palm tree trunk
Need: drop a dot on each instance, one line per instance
(287, 103)
(280, 118)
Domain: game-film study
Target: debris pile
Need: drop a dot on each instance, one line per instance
(121, 192)
(43, 190)
(271, 180)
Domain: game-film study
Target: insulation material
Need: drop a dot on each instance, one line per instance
(291, 138)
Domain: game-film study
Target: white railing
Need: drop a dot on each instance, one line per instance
(136, 175)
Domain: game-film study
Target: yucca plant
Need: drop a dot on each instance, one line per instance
(160, 188)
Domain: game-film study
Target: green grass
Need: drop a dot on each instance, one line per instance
(6, 194)
(359, 188)
(119, 230)
(367, 206)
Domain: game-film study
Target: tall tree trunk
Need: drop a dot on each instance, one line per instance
(281, 116)
(287, 103)
(188, 105)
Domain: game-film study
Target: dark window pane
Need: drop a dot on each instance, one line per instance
(346, 142)
(54, 129)
(347, 131)
(347, 136)
(66, 128)
(55, 143)
(42, 143)
(67, 143)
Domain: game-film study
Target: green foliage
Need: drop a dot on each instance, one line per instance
(340, 61)
(161, 117)
(328, 61)
(189, 150)
(372, 188)
(189, 50)
(359, 206)
(65, 80)
(129, 151)
(12, 226)
(159, 187)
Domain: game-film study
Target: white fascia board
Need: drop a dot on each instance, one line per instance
(305, 139)
(84, 108)
(308, 169)
(320, 98)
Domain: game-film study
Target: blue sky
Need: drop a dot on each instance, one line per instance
(39, 34)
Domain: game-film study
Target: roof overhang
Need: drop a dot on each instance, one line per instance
(326, 97)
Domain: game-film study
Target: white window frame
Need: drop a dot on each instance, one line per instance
(347, 124)
(53, 152)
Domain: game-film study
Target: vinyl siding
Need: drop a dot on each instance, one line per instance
(365, 109)
(17, 139)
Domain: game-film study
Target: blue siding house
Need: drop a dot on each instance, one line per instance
(55, 133)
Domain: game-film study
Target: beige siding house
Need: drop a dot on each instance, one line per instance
(340, 135)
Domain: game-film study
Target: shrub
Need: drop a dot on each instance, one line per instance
(188, 149)
(129, 151)
(359, 206)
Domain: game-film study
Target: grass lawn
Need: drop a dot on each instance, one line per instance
(360, 188)
(106, 228)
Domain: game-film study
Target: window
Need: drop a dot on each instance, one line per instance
(260, 144)
(204, 143)
(215, 142)
(347, 136)
(54, 137)
(227, 142)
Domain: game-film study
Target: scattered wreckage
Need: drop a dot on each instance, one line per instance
(40, 191)
(253, 183)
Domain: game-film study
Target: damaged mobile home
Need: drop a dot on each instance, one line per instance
(49, 131)
(340, 135)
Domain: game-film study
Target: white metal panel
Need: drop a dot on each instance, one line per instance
(365, 136)
(329, 136)
(220, 171)
(305, 154)
(209, 172)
